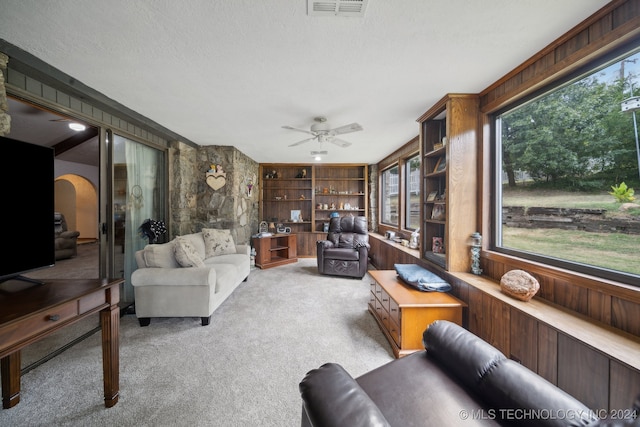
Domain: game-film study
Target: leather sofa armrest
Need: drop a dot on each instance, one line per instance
(331, 397)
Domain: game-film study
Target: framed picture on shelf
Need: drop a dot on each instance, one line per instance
(296, 215)
(439, 213)
(432, 196)
(440, 165)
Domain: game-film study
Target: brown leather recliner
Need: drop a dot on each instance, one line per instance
(346, 250)
(66, 241)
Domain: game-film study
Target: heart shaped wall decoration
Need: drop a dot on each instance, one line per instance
(216, 177)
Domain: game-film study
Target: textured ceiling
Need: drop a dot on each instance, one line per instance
(234, 72)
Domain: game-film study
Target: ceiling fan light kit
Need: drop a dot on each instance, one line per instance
(322, 131)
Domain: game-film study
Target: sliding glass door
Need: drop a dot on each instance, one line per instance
(138, 198)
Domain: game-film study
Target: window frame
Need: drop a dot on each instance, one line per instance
(495, 240)
(406, 224)
(382, 195)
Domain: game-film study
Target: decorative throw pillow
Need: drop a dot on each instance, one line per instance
(519, 284)
(186, 255)
(217, 242)
(160, 255)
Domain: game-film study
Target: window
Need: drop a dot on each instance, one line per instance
(561, 154)
(389, 196)
(412, 193)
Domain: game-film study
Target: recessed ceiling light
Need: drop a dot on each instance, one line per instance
(77, 127)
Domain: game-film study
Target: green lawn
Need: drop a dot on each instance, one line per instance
(614, 251)
(609, 250)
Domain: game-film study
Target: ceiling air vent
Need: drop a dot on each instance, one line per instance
(354, 8)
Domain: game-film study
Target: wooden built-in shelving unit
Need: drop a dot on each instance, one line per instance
(316, 193)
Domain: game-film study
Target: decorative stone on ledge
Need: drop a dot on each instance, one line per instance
(519, 284)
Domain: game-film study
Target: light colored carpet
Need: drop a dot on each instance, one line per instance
(241, 370)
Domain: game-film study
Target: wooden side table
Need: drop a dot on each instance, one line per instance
(404, 313)
(272, 251)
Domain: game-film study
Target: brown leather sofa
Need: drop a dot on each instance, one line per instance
(460, 380)
(345, 252)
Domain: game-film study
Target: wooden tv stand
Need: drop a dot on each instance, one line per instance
(403, 313)
(30, 314)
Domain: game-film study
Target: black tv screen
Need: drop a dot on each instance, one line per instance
(27, 194)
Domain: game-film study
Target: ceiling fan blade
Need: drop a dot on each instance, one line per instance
(299, 130)
(353, 127)
(340, 142)
(302, 142)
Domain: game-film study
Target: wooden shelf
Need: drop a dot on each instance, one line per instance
(337, 184)
(448, 138)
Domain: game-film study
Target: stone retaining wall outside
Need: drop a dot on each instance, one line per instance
(592, 220)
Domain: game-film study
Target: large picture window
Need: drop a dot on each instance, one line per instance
(412, 193)
(567, 163)
(390, 196)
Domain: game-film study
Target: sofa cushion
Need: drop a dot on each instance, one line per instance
(160, 255)
(197, 242)
(186, 254)
(218, 242)
(415, 391)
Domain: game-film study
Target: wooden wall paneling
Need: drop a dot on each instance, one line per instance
(375, 256)
(599, 306)
(461, 291)
(546, 287)
(523, 339)
(626, 11)
(573, 45)
(624, 386)
(496, 319)
(625, 315)
(573, 297)
(307, 243)
(475, 311)
(384, 254)
(547, 353)
(582, 372)
(601, 28)
(613, 25)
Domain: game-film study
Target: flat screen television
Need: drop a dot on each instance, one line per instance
(26, 215)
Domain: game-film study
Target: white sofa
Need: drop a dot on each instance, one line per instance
(189, 276)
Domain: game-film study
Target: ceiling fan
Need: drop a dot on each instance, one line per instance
(321, 130)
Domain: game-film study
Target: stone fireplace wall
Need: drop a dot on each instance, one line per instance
(195, 205)
(5, 120)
